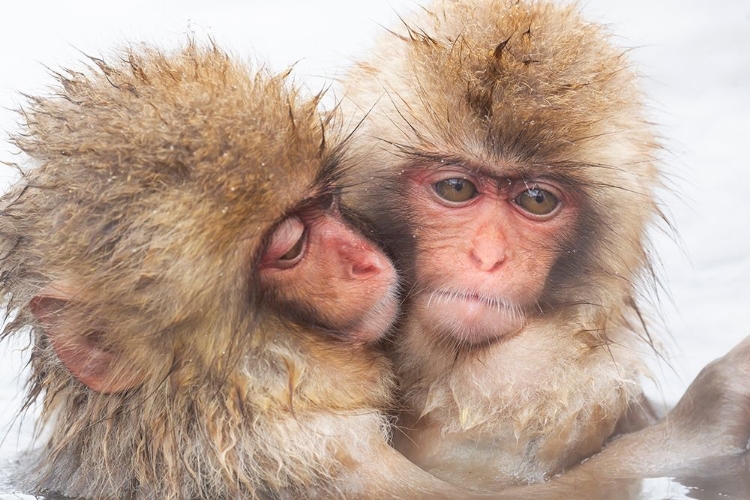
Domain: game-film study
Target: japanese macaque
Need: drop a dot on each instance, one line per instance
(506, 161)
(202, 315)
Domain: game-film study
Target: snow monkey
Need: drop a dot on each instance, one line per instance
(202, 315)
(506, 161)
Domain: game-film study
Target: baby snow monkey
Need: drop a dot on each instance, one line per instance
(506, 160)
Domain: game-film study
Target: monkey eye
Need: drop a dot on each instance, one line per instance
(287, 243)
(537, 201)
(455, 190)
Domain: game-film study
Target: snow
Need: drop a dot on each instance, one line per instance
(694, 55)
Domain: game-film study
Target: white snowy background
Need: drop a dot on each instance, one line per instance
(694, 56)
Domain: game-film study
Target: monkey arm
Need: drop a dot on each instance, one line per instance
(710, 423)
(707, 431)
(390, 476)
(640, 414)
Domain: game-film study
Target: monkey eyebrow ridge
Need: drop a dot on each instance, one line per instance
(500, 176)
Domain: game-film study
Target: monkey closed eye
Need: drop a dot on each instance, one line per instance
(287, 244)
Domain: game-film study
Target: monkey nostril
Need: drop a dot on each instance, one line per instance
(365, 263)
(363, 270)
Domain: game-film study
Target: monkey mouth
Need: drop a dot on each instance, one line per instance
(492, 302)
(472, 317)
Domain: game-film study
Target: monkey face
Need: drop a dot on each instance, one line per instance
(501, 235)
(322, 273)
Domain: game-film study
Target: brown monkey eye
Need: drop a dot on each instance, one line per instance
(287, 243)
(456, 190)
(537, 201)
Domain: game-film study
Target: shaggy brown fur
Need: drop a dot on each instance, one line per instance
(517, 87)
(154, 182)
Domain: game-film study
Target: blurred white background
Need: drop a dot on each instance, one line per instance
(694, 56)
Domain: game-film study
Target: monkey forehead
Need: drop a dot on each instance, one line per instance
(501, 79)
(194, 123)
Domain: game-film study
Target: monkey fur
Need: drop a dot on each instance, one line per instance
(153, 183)
(524, 89)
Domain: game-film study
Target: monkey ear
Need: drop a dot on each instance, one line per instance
(98, 367)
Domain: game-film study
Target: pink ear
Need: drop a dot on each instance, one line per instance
(78, 350)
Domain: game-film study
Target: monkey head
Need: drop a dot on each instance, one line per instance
(508, 163)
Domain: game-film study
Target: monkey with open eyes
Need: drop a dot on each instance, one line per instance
(506, 160)
(202, 315)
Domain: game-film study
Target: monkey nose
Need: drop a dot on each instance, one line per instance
(487, 256)
(364, 261)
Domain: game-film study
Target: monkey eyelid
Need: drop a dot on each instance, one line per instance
(291, 232)
(556, 173)
(483, 174)
(482, 183)
(519, 186)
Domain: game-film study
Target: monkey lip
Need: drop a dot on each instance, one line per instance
(472, 300)
(473, 317)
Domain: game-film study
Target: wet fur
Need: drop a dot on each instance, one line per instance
(152, 183)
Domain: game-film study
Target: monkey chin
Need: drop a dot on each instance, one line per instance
(469, 318)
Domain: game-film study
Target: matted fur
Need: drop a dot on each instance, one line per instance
(154, 180)
(526, 88)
